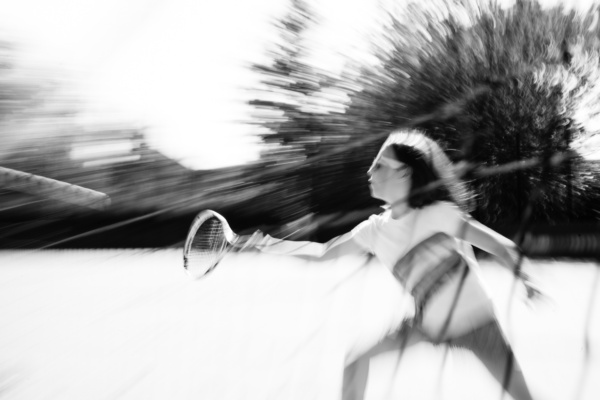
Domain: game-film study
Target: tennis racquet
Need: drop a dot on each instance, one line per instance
(209, 239)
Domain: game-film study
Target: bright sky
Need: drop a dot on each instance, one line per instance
(176, 66)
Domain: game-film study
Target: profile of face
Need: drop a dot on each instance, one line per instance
(389, 179)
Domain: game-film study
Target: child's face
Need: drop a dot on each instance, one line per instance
(389, 178)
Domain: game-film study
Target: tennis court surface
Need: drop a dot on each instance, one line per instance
(129, 324)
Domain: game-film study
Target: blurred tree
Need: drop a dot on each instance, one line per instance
(301, 106)
(287, 81)
(515, 96)
(493, 84)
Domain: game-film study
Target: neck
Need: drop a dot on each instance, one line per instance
(399, 210)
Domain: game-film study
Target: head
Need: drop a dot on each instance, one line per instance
(412, 167)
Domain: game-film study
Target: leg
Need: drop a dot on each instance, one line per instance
(355, 379)
(357, 373)
(489, 344)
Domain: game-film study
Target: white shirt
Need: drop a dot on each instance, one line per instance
(390, 239)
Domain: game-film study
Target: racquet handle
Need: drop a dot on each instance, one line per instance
(245, 242)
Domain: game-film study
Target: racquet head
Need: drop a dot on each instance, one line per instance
(208, 241)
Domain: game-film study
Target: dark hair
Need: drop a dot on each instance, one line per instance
(434, 177)
(426, 187)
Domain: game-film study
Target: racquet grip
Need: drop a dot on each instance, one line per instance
(249, 241)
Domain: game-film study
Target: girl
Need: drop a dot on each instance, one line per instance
(424, 238)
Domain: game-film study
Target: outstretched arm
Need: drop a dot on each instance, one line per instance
(505, 249)
(336, 247)
(491, 241)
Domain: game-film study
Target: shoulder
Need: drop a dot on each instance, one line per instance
(364, 233)
(373, 220)
(445, 216)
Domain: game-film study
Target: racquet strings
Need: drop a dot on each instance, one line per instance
(208, 247)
